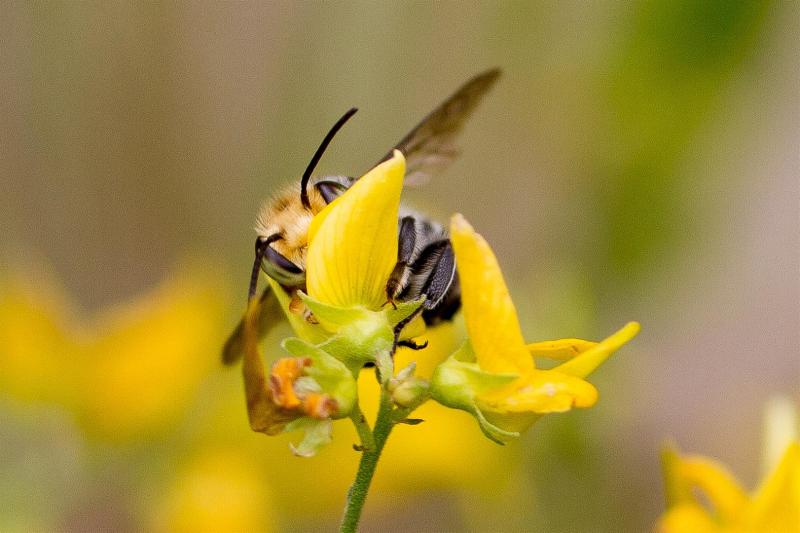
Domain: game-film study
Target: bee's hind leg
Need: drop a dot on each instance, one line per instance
(406, 241)
(436, 265)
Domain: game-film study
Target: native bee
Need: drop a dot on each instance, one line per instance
(425, 262)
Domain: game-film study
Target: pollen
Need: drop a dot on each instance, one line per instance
(282, 377)
(319, 406)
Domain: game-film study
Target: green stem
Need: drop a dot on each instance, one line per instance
(357, 494)
(363, 429)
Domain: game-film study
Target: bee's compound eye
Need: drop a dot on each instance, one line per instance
(279, 268)
(277, 259)
(330, 190)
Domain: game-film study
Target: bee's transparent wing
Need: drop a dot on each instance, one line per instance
(430, 146)
(270, 314)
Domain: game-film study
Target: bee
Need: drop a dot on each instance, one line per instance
(425, 263)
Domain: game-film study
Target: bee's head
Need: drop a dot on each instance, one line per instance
(293, 224)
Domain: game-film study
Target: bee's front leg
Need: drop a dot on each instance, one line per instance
(297, 307)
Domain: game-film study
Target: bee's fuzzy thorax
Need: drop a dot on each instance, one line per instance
(284, 214)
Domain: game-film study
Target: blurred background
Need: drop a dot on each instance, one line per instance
(636, 161)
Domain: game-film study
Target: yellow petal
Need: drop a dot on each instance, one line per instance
(677, 490)
(489, 313)
(219, 490)
(541, 391)
(687, 518)
(586, 363)
(776, 505)
(353, 241)
(721, 488)
(561, 349)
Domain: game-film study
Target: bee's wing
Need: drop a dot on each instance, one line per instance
(269, 315)
(430, 146)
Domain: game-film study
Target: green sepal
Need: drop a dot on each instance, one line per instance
(458, 381)
(316, 435)
(334, 317)
(384, 365)
(492, 432)
(359, 335)
(463, 368)
(332, 375)
(300, 325)
(403, 310)
(331, 316)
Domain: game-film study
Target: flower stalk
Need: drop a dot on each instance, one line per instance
(357, 494)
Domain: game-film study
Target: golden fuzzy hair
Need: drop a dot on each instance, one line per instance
(284, 214)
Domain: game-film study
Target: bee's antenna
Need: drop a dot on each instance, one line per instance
(261, 249)
(318, 154)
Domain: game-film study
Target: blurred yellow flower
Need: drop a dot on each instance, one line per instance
(218, 490)
(151, 355)
(702, 496)
(41, 353)
(352, 252)
(494, 375)
(129, 372)
(773, 508)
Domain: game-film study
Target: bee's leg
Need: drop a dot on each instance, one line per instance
(447, 307)
(399, 327)
(405, 250)
(412, 345)
(436, 265)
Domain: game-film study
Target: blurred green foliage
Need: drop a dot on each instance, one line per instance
(665, 80)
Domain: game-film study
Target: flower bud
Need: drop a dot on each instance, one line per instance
(411, 392)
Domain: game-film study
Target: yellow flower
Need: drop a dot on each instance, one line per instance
(40, 352)
(494, 375)
(351, 254)
(129, 372)
(353, 241)
(219, 490)
(151, 356)
(773, 508)
(724, 507)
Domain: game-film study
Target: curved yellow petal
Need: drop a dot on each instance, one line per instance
(353, 241)
(677, 490)
(541, 391)
(687, 518)
(561, 349)
(714, 480)
(587, 362)
(776, 505)
(489, 313)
